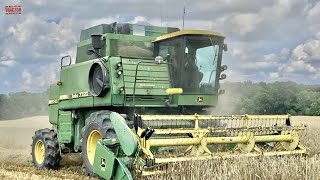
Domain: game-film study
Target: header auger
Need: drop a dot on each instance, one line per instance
(137, 98)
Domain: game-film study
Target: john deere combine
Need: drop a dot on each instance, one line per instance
(139, 97)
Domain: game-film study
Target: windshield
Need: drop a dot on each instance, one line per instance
(201, 56)
(206, 61)
(193, 61)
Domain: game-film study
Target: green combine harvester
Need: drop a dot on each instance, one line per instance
(140, 97)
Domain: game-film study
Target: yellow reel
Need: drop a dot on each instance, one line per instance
(292, 145)
(248, 146)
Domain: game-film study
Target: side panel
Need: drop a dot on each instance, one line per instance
(74, 91)
(152, 78)
(74, 78)
(104, 161)
(194, 100)
(53, 104)
(76, 103)
(78, 125)
(65, 127)
(116, 82)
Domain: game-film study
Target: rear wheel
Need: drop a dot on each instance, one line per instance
(97, 126)
(45, 149)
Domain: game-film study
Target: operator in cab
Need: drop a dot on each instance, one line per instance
(192, 76)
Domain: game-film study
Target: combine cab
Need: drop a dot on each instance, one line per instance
(139, 97)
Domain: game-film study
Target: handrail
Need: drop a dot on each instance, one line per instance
(135, 80)
(62, 61)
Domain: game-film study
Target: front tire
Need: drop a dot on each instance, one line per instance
(97, 126)
(45, 149)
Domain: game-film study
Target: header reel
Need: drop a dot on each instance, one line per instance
(163, 139)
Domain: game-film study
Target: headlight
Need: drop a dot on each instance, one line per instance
(158, 59)
(119, 73)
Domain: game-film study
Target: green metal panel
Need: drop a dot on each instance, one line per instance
(122, 172)
(76, 103)
(116, 82)
(194, 100)
(107, 48)
(116, 28)
(152, 79)
(147, 72)
(147, 101)
(127, 139)
(53, 104)
(82, 48)
(104, 161)
(77, 130)
(53, 113)
(65, 127)
(74, 78)
(104, 100)
(78, 125)
(130, 37)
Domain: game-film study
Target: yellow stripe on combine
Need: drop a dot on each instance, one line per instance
(187, 32)
(75, 95)
(53, 102)
(171, 91)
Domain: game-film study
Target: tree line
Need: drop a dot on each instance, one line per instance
(23, 104)
(239, 98)
(270, 98)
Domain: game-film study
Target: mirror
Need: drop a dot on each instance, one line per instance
(221, 91)
(223, 76)
(224, 67)
(225, 47)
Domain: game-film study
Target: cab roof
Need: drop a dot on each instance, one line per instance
(187, 32)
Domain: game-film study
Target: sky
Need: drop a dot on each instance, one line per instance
(274, 40)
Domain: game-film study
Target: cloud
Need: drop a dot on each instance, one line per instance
(6, 83)
(274, 75)
(39, 40)
(303, 65)
(305, 57)
(268, 40)
(243, 23)
(7, 59)
(314, 13)
(8, 63)
(43, 78)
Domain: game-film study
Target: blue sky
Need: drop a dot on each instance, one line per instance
(268, 40)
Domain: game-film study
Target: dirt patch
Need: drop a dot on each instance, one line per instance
(16, 137)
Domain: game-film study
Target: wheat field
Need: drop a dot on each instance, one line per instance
(15, 159)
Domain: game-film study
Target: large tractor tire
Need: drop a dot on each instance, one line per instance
(97, 126)
(45, 149)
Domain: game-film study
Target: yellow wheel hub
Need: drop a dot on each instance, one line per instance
(93, 137)
(39, 151)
